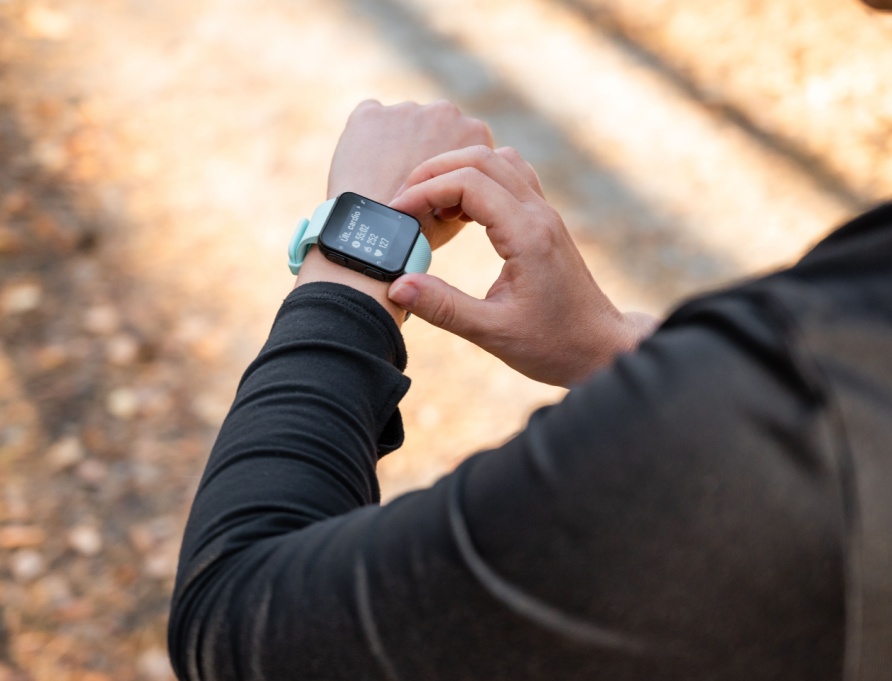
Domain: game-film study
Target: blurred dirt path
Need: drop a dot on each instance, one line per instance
(155, 157)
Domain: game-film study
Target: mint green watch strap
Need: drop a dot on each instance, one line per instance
(420, 257)
(307, 234)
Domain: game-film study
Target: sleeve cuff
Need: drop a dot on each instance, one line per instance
(354, 318)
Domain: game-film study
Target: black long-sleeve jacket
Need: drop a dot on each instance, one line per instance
(716, 506)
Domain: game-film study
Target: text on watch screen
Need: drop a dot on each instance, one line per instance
(368, 235)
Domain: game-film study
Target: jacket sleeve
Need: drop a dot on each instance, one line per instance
(675, 517)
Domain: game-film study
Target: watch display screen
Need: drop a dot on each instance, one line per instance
(369, 232)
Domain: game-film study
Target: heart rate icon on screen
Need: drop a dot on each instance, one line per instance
(379, 252)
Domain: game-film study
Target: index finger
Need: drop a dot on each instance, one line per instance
(499, 165)
(481, 198)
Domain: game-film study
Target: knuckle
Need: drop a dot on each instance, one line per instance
(444, 105)
(509, 153)
(480, 130)
(546, 216)
(469, 174)
(366, 108)
(367, 104)
(444, 313)
(482, 154)
(549, 227)
(476, 130)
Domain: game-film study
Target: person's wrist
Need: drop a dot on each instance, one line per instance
(317, 268)
(639, 326)
(613, 335)
(370, 190)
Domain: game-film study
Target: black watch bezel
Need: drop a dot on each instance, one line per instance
(403, 229)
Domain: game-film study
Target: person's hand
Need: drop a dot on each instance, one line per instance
(381, 145)
(378, 149)
(544, 316)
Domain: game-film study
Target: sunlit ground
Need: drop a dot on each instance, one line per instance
(155, 156)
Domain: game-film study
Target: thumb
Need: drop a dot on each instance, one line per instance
(438, 303)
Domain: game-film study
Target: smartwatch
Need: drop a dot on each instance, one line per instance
(363, 235)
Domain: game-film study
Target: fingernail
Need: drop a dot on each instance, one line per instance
(403, 294)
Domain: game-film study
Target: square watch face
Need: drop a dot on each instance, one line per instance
(368, 232)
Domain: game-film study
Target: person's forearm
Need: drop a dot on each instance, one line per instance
(300, 444)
